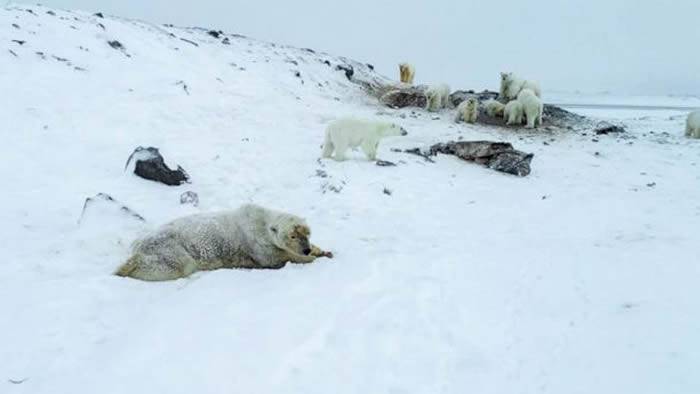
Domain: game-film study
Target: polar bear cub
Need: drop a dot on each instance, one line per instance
(532, 108)
(437, 97)
(692, 125)
(512, 85)
(248, 237)
(494, 108)
(406, 73)
(347, 133)
(468, 110)
(513, 113)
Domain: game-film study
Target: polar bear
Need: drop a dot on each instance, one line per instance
(437, 97)
(692, 125)
(347, 133)
(532, 107)
(511, 86)
(468, 110)
(248, 237)
(494, 108)
(406, 73)
(513, 113)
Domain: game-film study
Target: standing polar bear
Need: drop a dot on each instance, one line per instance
(248, 237)
(512, 85)
(692, 125)
(468, 110)
(406, 73)
(347, 133)
(437, 97)
(513, 113)
(532, 108)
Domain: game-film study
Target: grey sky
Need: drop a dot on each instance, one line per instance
(622, 46)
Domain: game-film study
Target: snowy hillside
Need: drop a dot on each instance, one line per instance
(447, 278)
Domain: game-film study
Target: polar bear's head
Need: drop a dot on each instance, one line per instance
(292, 234)
(506, 80)
(392, 130)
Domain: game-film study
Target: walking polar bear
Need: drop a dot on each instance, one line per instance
(406, 73)
(468, 110)
(512, 85)
(532, 108)
(692, 125)
(347, 133)
(437, 97)
(248, 237)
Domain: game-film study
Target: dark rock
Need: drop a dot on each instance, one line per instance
(404, 97)
(327, 63)
(348, 69)
(101, 26)
(51, 12)
(150, 165)
(499, 156)
(371, 67)
(384, 163)
(226, 41)
(116, 45)
(13, 53)
(99, 15)
(607, 128)
(461, 95)
(103, 199)
(16, 26)
(189, 197)
(308, 50)
(386, 191)
(215, 34)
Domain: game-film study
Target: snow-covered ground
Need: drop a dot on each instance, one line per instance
(580, 278)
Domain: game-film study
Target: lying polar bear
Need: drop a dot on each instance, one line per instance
(347, 133)
(248, 237)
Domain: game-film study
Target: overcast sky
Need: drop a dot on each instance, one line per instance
(621, 46)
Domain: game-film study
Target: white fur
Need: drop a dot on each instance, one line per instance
(513, 113)
(692, 125)
(437, 97)
(347, 133)
(249, 237)
(494, 108)
(406, 73)
(511, 86)
(468, 110)
(532, 108)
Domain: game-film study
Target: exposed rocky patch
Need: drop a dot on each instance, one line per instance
(151, 165)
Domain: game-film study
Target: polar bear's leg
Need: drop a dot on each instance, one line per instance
(370, 149)
(178, 264)
(327, 146)
(340, 148)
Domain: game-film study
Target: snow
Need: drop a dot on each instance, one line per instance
(580, 278)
